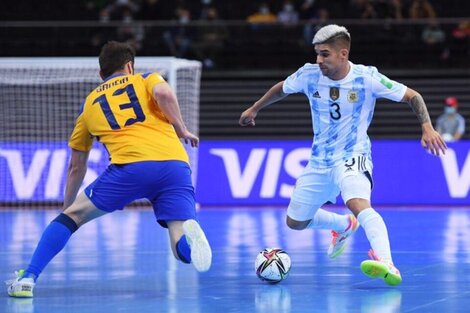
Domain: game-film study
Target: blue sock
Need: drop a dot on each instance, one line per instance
(53, 240)
(183, 250)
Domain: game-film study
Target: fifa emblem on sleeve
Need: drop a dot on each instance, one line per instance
(334, 93)
(352, 96)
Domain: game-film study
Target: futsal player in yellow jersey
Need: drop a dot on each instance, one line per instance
(137, 117)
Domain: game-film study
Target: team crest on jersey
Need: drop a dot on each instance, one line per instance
(334, 93)
(352, 96)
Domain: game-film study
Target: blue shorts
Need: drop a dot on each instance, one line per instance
(166, 184)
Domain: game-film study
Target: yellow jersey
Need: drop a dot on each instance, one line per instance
(123, 115)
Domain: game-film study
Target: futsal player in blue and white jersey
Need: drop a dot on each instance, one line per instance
(137, 117)
(342, 97)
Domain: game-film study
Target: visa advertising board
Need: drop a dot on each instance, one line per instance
(254, 172)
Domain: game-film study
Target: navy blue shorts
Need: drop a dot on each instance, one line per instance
(166, 184)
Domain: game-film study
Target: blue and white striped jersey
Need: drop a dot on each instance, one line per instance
(342, 109)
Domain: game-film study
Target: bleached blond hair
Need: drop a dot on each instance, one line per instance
(328, 32)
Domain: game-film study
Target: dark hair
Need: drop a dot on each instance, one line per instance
(341, 40)
(113, 56)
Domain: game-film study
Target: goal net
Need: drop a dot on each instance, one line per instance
(39, 101)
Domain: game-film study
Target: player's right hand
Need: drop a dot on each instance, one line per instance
(188, 137)
(247, 118)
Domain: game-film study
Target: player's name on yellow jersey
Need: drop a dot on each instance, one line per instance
(112, 84)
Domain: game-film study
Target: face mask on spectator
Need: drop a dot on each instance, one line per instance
(449, 110)
(264, 10)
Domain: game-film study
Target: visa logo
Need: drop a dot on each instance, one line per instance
(273, 166)
(37, 173)
(241, 180)
(458, 182)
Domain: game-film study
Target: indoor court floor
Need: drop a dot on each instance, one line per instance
(122, 263)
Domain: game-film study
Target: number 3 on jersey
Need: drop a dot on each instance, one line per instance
(335, 113)
(134, 104)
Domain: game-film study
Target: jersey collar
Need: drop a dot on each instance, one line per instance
(113, 76)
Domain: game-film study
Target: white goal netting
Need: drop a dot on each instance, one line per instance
(39, 101)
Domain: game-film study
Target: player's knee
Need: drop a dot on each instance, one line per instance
(296, 225)
(357, 205)
(67, 222)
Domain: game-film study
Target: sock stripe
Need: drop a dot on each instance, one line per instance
(67, 222)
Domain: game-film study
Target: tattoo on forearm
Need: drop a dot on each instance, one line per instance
(419, 107)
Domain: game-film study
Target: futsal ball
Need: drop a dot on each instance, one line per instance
(272, 265)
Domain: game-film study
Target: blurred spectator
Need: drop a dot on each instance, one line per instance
(211, 39)
(90, 8)
(206, 6)
(459, 43)
(288, 16)
(156, 10)
(119, 10)
(314, 25)
(433, 34)
(362, 9)
(421, 9)
(263, 15)
(451, 125)
(462, 31)
(389, 9)
(178, 38)
(316, 15)
(124, 11)
(130, 32)
(307, 10)
(435, 40)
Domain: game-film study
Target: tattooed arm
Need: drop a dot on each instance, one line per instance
(430, 140)
(417, 104)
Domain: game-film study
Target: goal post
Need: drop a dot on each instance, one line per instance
(40, 99)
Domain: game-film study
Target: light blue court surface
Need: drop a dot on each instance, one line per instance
(122, 263)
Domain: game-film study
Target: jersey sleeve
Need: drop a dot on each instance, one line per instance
(383, 87)
(295, 82)
(80, 139)
(152, 79)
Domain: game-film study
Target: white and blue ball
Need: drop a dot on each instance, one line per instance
(272, 265)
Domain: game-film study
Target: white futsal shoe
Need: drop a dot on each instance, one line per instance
(339, 239)
(20, 287)
(201, 253)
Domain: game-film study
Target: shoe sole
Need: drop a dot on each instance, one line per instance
(21, 294)
(25, 292)
(374, 269)
(201, 254)
(333, 256)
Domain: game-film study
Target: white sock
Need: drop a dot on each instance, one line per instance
(329, 220)
(376, 232)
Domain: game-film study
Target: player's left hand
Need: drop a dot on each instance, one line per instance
(432, 141)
